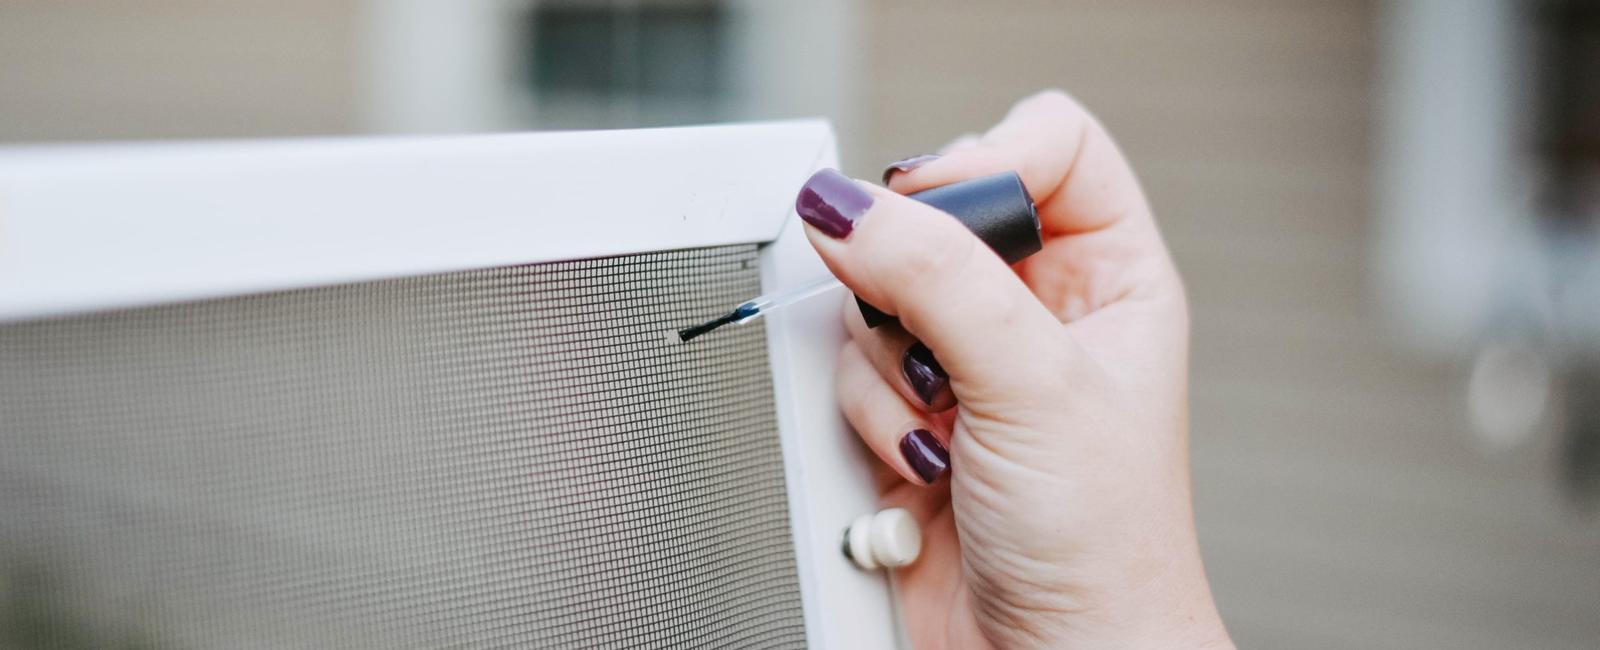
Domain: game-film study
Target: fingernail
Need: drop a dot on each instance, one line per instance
(832, 202)
(923, 372)
(927, 457)
(907, 164)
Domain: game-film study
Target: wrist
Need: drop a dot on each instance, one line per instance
(1170, 606)
(1175, 613)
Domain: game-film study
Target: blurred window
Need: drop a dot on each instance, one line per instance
(607, 64)
(1566, 50)
(1567, 61)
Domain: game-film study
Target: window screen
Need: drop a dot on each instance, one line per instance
(505, 457)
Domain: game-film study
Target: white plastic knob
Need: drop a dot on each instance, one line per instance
(889, 539)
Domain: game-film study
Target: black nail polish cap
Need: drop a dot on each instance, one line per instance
(996, 208)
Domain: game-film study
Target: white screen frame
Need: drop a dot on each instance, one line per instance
(89, 228)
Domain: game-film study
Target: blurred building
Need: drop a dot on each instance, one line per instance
(98, 69)
(1349, 494)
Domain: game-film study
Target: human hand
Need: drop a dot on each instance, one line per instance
(1060, 391)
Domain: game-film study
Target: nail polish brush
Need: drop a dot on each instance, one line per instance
(996, 208)
(752, 309)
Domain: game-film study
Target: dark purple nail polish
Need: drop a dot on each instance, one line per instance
(907, 164)
(927, 457)
(923, 372)
(832, 202)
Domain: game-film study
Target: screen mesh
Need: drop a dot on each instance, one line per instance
(505, 457)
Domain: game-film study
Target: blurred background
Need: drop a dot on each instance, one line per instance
(1385, 213)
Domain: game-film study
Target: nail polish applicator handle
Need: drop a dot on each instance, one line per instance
(996, 208)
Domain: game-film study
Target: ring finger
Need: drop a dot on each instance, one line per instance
(906, 439)
(903, 361)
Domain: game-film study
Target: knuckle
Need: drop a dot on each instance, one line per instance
(1058, 103)
(1007, 306)
(925, 256)
(1060, 113)
(1054, 98)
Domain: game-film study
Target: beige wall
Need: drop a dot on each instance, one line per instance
(97, 69)
(1342, 502)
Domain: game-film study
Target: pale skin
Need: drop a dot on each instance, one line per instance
(1065, 519)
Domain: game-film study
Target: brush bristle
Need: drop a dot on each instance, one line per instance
(740, 313)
